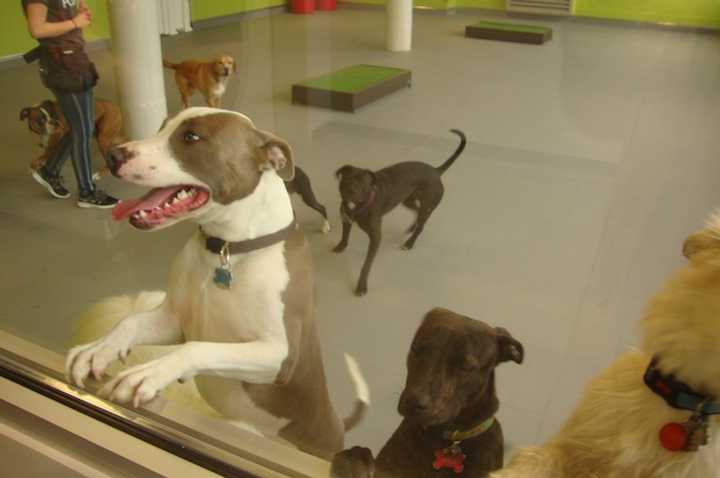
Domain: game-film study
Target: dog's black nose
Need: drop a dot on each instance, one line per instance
(117, 156)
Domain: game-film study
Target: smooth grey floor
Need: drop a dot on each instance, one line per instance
(589, 160)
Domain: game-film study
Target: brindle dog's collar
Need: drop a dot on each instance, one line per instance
(216, 245)
(460, 435)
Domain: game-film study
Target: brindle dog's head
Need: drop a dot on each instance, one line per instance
(224, 65)
(356, 185)
(451, 366)
(42, 119)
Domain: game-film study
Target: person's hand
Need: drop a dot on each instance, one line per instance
(82, 19)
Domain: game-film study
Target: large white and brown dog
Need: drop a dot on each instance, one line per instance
(634, 418)
(240, 295)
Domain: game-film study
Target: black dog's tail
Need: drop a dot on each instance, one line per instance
(461, 147)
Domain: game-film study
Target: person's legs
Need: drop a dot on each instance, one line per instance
(49, 174)
(79, 111)
(74, 107)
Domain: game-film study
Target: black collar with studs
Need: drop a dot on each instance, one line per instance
(678, 394)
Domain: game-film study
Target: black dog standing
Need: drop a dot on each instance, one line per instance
(367, 196)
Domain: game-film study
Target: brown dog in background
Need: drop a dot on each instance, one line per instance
(449, 398)
(47, 121)
(208, 77)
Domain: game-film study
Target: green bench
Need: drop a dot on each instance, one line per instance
(510, 32)
(351, 88)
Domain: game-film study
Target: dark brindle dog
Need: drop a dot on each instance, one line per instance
(449, 405)
(367, 196)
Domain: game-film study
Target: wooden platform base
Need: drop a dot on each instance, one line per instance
(351, 88)
(509, 32)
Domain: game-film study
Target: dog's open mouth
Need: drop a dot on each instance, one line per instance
(160, 205)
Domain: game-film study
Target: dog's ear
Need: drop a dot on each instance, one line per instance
(275, 153)
(508, 347)
(342, 171)
(164, 122)
(49, 106)
(24, 114)
(372, 175)
(701, 241)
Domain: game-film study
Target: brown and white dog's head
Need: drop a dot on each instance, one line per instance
(200, 160)
(681, 326)
(42, 119)
(451, 366)
(223, 66)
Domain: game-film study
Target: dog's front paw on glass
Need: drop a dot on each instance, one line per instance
(340, 247)
(93, 359)
(139, 385)
(361, 290)
(356, 462)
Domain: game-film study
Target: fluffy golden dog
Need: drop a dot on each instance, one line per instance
(208, 77)
(615, 430)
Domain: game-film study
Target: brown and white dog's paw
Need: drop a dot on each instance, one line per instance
(355, 462)
(139, 385)
(325, 227)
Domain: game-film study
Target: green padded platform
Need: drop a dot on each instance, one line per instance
(510, 32)
(352, 87)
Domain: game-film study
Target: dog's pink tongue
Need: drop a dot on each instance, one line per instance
(154, 198)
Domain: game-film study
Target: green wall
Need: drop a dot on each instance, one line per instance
(14, 37)
(705, 13)
(203, 9)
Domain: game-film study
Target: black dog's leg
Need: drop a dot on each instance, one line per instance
(424, 212)
(301, 185)
(308, 198)
(372, 229)
(346, 228)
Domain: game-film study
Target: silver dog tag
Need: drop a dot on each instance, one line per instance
(223, 277)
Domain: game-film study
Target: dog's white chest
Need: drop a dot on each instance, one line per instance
(251, 310)
(219, 88)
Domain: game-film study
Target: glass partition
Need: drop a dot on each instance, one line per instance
(587, 160)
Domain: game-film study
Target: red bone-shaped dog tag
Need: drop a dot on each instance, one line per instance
(451, 457)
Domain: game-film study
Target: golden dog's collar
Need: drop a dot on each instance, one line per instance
(678, 394)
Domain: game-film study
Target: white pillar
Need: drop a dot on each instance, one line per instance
(138, 65)
(398, 32)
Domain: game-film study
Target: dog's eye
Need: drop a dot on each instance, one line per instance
(191, 137)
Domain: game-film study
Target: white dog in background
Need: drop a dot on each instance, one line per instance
(615, 430)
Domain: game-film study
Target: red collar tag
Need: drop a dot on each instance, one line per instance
(452, 458)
